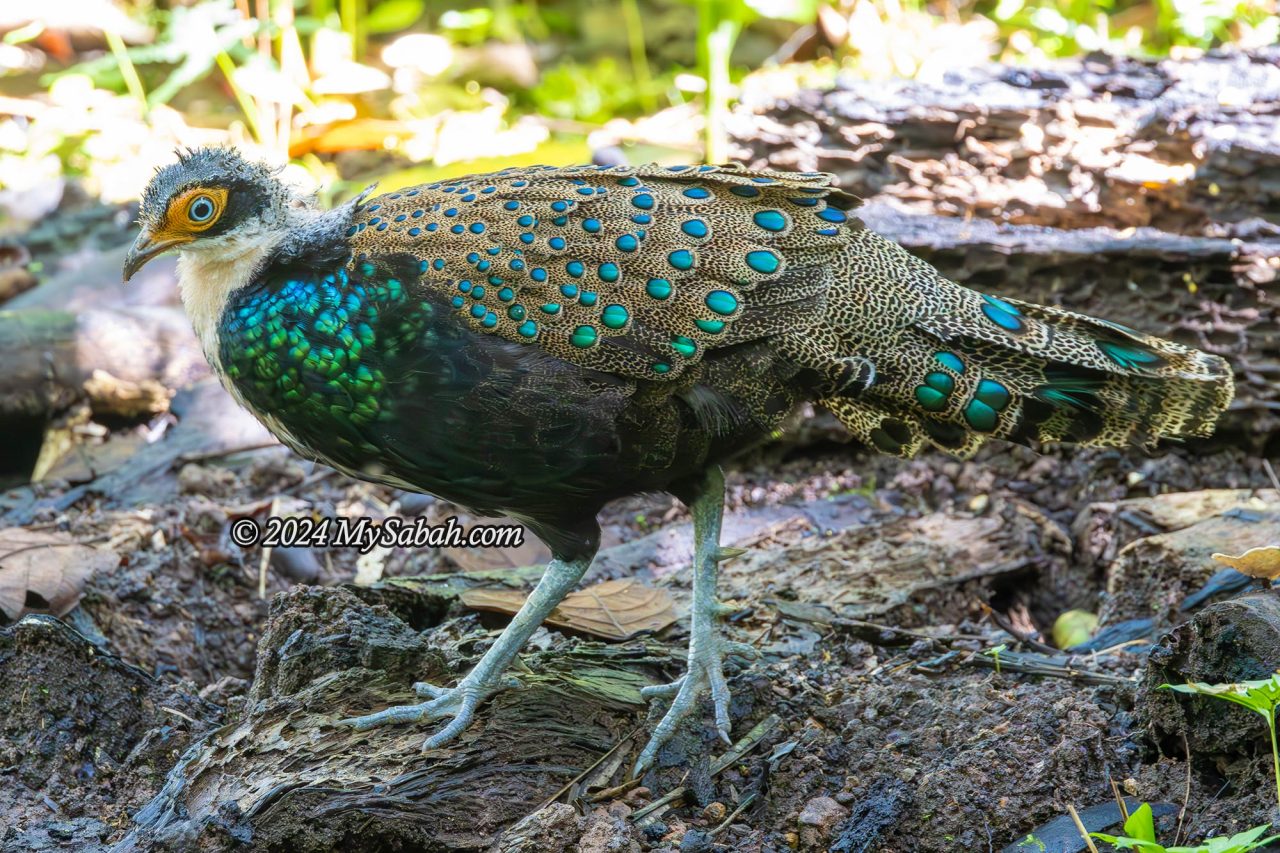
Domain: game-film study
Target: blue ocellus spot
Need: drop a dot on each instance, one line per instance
(930, 399)
(609, 272)
(1127, 356)
(477, 311)
(696, 192)
(516, 312)
(556, 243)
(583, 336)
(711, 327)
(1002, 314)
(684, 346)
(464, 286)
(763, 261)
(661, 367)
(569, 290)
(587, 298)
(525, 221)
(550, 308)
(506, 294)
(658, 288)
(722, 302)
(538, 274)
(490, 320)
(644, 201)
(528, 329)
(745, 192)
(575, 268)
(949, 360)
(694, 228)
(627, 243)
(980, 416)
(940, 382)
(614, 316)
(681, 259)
(831, 214)
(457, 302)
(770, 220)
(591, 226)
(992, 394)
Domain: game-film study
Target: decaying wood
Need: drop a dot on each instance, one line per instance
(1151, 576)
(1124, 189)
(284, 776)
(122, 361)
(1231, 641)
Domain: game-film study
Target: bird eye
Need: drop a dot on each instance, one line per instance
(201, 209)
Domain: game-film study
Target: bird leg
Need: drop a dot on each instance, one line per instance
(487, 677)
(707, 647)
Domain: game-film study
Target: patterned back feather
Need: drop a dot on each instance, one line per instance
(656, 274)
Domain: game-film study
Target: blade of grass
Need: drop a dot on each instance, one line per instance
(127, 70)
(228, 69)
(639, 58)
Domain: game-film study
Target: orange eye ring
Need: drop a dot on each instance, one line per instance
(198, 209)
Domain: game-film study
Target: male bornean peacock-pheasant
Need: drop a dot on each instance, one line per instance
(538, 342)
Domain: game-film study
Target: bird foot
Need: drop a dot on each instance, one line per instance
(705, 669)
(458, 702)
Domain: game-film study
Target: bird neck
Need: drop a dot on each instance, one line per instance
(208, 276)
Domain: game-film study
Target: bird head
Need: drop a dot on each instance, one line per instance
(214, 202)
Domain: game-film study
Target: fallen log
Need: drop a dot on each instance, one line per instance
(121, 361)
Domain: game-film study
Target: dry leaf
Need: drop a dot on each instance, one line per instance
(612, 610)
(1261, 562)
(45, 572)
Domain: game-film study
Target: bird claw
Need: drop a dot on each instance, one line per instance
(459, 703)
(705, 669)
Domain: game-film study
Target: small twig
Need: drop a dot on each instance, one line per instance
(1084, 833)
(178, 713)
(209, 456)
(1271, 472)
(614, 792)
(1115, 792)
(1021, 636)
(1186, 795)
(724, 824)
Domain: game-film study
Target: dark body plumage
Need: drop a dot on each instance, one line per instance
(538, 342)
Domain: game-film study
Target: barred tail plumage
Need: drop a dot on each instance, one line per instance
(954, 367)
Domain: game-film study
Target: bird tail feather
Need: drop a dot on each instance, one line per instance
(953, 367)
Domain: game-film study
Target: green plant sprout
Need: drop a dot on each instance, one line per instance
(1140, 834)
(1259, 696)
(994, 654)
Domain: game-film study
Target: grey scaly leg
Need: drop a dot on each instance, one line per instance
(487, 677)
(707, 647)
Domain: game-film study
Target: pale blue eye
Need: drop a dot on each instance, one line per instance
(201, 209)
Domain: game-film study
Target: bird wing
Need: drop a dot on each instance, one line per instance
(637, 271)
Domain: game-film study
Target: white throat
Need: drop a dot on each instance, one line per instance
(209, 274)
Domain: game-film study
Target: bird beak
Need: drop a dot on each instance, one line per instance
(145, 248)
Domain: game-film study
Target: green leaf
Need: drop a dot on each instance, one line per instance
(1141, 824)
(394, 15)
(1260, 695)
(1121, 842)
